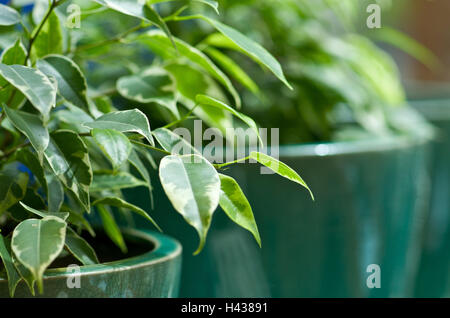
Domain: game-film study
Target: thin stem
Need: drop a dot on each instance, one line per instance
(185, 117)
(184, 18)
(11, 151)
(219, 166)
(117, 38)
(35, 33)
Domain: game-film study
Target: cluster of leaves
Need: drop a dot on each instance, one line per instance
(75, 128)
(345, 87)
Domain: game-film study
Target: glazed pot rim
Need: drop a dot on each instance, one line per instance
(353, 147)
(165, 249)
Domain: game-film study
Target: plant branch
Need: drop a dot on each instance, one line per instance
(11, 151)
(150, 147)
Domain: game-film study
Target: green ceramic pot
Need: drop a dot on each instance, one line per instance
(434, 275)
(155, 273)
(368, 210)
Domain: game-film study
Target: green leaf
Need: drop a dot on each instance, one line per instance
(80, 248)
(71, 81)
(280, 168)
(125, 121)
(38, 89)
(55, 193)
(140, 167)
(212, 3)
(119, 203)
(160, 44)
(68, 157)
(62, 215)
(121, 180)
(250, 47)
(8, 16)
(209, 101)
(13, 188)
(30, 160)
(49, 39)
(32, 127)
(174, 143)
(114, 144)
(25, 273)
(111, 228)
(13, 276)
(233, 69)
(14, 54)
(193, 187)
(37, 243)
(154, 85)
(236, 206)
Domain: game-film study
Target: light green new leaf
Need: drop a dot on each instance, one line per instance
(114, 144)
(8, 16)
(193, 187)
(68, 157)
(174, 143)
(154, 85)
(37, 243)
(50, 38)
(250, 47)
(13, 188)
(32, 127)
(80, 248)
(39, 90)
(111, 228)
(160, 44)
(62, 215)
(125, 121)
(121, 180)
(280, 168)
(14, 54)
(212, 3)
(236, 206)
(71, 81)
(233, 69)
(5, 255)
(119, 203)
(209, 101)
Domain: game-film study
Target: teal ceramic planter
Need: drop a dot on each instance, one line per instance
(434, 276)
(155, 273)
(368, 210)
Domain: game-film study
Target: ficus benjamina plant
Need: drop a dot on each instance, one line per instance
(76, 131)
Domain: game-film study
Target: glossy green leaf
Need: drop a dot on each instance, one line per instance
(125, 121)
(121, 180)
(8, 16)
(209, 101)
(39, 90)
(30, 160)
(174, 143)
(114, 144)
(160, 44)
(119, 203)
(236, 206)
(62, 215)
(250, 47)
(50, 38)
(80, 248)
(37, 243)
(32, 127)
(136, 161)
(68, 157)
(111, 228)
(5, 255)
(154, 85)
(14, 54)
(13, 188)
(193, 187)
(72, 84)
(280, 168)
(55, 193)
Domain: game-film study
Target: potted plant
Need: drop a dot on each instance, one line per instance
(67, 152)
(347, 126)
